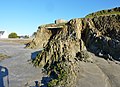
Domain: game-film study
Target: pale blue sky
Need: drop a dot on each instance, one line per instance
(24, 16)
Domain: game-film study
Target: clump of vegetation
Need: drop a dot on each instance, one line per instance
(26, 36)
(82, 56)
(46, 25)
(13, 35)
(52, 25)
(3, 56)
(105, 12)
(34, 34)
(59, 74)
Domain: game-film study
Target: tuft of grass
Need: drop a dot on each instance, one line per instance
(3, 56)
(61, 72)
(114, 11)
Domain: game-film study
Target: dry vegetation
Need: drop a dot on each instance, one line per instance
(18, 41)
(3, 56)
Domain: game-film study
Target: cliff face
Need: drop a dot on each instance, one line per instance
(102, 36)
(66, 46)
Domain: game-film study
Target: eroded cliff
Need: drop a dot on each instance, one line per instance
(64, 47)
(43, 34)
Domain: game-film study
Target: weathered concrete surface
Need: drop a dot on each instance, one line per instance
(21, 73)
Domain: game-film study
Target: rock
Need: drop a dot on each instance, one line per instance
(84, 56)
(60, 21)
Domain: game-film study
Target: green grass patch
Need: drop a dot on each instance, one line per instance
(114, 11)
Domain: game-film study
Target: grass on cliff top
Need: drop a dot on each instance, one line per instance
(114, 11)
(52, 25)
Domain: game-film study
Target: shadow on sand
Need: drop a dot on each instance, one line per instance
(43, 83)
(44, 80)
(34, 54)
